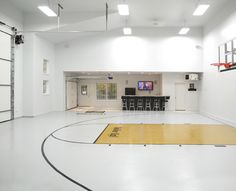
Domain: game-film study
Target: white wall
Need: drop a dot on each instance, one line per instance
(13, 17)
(191, 97)
(35, 102)
(120, 79)
(149, 49)
(219, 89)
(28, 83)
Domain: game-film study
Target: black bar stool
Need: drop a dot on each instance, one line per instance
(140, 104)
(132, 104)
(148, 104)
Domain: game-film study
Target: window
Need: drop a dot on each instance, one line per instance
(101, 91)
(111, 91)
(106, 91)
(45, 87)
(45, 66)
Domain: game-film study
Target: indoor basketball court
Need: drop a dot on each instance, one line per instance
(117, 95)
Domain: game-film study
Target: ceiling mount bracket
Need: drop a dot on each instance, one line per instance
(59, 8)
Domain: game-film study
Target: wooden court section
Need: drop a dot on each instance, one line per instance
(179, 134)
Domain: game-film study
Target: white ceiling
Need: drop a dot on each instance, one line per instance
(30, 6)
(90, 14)
(142, 12)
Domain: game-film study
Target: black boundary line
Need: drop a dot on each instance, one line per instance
(57, 170)
(75, 125)
(64, 175)
(50, 135)
(101, 133)
(68, 141)
(106, 117)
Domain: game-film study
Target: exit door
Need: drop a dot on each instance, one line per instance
(180, 96)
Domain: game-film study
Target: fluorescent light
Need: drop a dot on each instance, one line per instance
(123, 9)
(201, 9)
(47, 11)
(184, 31)
(127, 31)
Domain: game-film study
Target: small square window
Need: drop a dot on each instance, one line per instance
(45, 87)
(45, 66)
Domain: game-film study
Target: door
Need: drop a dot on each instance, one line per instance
(5, 77)
(180, 96)
(72, 95)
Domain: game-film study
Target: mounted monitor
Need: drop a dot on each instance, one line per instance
(145, 85)
(130, 91)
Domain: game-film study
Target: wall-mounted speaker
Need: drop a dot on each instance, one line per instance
(126, 82)
(19, 39)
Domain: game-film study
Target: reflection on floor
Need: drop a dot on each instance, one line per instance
(180, 134)
(101, 167)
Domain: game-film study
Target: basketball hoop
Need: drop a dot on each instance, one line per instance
(226, 65)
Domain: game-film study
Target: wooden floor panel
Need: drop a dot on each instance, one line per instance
(181, 134)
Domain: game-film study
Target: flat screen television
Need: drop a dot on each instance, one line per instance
(130, 91)
(145, 85)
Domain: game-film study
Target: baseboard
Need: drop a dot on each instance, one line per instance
(217, 118)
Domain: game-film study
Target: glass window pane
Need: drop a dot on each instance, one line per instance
(45, 66)
(45, 87)
(222, 54)
(234, 41)
(111, 91)
(101, 91)
(229, 46)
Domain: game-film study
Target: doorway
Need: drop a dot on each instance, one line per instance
(180, 96)
(71, 95)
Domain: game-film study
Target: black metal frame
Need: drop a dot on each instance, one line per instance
(12, 63)
(162, 100)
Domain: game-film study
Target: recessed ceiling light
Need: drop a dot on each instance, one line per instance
(184, 31)
(123, 9)
(201, 9)
(47, 11)
(127, 31)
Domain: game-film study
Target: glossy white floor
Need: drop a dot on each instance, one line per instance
(103, 167)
